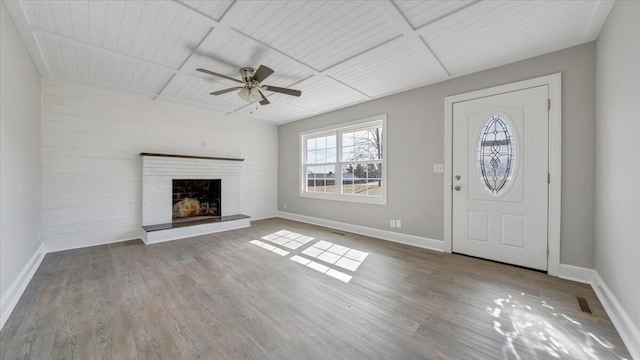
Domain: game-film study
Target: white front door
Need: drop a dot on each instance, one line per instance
(500, 169)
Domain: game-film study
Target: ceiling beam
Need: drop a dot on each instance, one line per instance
(393, 13)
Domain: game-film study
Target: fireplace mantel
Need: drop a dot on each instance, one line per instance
(189, 156)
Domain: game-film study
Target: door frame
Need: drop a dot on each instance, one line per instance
(554, 82)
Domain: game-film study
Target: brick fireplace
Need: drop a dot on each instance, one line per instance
(184, 196)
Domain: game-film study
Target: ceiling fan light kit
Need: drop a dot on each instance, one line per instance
(251, 79)
(255, 94)
(245, 94)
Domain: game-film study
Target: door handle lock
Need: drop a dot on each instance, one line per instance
(457, 177)
(457, 188)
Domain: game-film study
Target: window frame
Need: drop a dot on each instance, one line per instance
(338, 129)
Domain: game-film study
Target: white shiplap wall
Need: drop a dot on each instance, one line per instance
(92, 171)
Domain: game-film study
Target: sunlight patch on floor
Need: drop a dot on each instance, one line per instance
(288, 239)
(270, 247)
(338, 255)
(332, 259)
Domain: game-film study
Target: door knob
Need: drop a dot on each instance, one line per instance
(457, 188)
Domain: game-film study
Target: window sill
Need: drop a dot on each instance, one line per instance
(346, 198)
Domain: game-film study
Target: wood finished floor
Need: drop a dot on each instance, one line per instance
(221, 297)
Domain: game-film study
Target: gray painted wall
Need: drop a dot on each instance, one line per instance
(617, 216)
(20, 163)
(416, 142)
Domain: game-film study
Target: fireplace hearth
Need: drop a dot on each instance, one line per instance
(196, 199)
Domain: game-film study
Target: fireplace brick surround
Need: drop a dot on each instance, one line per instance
(158, 173)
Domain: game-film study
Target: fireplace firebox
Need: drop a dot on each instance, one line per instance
(196, 199)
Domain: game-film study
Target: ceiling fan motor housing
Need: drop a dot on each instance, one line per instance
(247, 74)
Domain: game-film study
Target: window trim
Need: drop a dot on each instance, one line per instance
(337, 129)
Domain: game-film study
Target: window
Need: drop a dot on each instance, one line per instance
(345, 163)
(496, 154)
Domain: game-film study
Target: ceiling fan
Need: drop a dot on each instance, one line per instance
(250, 90)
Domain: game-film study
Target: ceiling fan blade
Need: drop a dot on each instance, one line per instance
(282, 90)
(262, 73)
(264, 99)
(220, 92)
(219, 75)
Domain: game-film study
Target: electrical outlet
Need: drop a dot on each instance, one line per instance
(393, 223)
(204, 144)
(398, 223)
(438, 168)
(285, 205)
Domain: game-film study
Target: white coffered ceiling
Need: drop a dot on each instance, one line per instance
(337, 52)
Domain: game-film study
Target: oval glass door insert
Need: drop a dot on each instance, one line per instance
(496, 155)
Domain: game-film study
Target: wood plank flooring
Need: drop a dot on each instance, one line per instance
(222, 297)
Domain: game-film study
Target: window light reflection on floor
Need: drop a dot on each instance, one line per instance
(530, 326)
(336, 258)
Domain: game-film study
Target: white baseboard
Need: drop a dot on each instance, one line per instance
(264, 218)
(418, 241)
(626, 328)
(14, 292)
(50, 248)
(576, 273)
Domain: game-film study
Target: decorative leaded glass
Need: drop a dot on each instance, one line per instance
(496, 156)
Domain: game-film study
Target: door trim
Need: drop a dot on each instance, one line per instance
(554, 82)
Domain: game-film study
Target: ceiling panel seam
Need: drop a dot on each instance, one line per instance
(160, 94)
(454, 18)
(104, 83)
(445, 15)
(324, 71)
(435, 55)
(212, 21)
(369, 97)
(396, 17)
(100, 48)
(601, 10)
(19, 15)
(53, 17)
